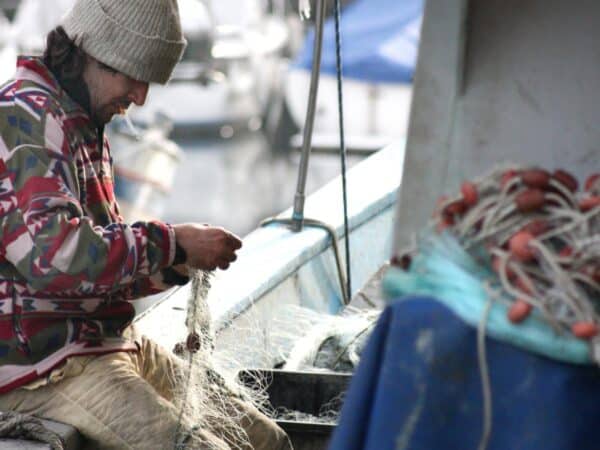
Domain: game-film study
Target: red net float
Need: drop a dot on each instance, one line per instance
(584, 330)
(469, 193)
(535, 178)
(589, 203)
(591, 181)
(519, 246)
(536, 227)
(530, 200)
(566, 179)
(459, 207)
(566, 252)
(519, 311)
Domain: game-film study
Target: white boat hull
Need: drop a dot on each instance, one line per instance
(277, 268)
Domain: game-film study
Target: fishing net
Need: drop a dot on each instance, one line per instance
(334, 342)
(328, 413)
(206, 400)
(533, 237)
(294, 339)
(517, 254)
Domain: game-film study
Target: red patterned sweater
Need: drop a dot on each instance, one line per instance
(68, 263)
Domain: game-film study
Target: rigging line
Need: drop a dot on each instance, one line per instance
(338, 61)
(485, 378)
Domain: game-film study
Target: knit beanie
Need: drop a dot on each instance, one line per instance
(140, 38)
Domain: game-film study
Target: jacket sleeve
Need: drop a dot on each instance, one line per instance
(48, 238)
(155, 284)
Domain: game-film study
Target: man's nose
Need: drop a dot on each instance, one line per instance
(139, 92)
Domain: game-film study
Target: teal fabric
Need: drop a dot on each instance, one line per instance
(445, 271)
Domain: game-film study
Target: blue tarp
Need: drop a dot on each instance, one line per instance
(379, 41)
(418, 388)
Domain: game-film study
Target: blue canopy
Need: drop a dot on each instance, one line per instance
(380, 40)
(418, 387)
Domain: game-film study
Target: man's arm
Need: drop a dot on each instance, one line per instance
(46, 234)
(55, 246)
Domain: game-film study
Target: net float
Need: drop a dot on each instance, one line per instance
(469, 193)
(457, 207)
(584, 330)
(535, 178)
(591, 181)
(519, 311)
(519, 246)
(536, 227)
(566, 252)
(530, 200)
(566, 179)
(589, 203)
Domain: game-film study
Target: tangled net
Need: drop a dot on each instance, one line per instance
(538, 232)
(206, 400)
(543, 235)
(328, 413)
(299, 339)
(333, 342)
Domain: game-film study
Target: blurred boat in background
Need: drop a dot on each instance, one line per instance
(229, 72)
(145, 165)
(225, 80)
(236, 76)
(379, 50)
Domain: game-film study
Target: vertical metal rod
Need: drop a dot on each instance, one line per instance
(300, 197)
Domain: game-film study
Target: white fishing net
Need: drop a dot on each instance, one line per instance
(205, 399)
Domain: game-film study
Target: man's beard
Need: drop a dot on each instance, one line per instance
(105, 114)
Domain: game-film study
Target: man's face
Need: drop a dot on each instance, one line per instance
(111, 92)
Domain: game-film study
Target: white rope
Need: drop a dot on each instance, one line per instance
(22, 426)
(485, 378)
(560, 278)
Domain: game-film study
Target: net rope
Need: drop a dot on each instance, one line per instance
(538, 234)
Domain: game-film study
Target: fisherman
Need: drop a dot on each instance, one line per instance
(69, 264)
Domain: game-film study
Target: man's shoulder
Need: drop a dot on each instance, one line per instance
(31, 97)
(24, 108)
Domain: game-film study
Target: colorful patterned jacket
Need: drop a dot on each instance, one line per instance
(68, 263)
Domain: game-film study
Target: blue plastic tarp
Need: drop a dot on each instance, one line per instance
(418, 387)
(379, 41)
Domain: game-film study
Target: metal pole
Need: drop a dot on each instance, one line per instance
(298, 214)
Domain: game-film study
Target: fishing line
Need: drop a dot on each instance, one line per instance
(343, 152)
(206, 400)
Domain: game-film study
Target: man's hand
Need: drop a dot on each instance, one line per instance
(207, 247)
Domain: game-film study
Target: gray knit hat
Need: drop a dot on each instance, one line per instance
(140, 38)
